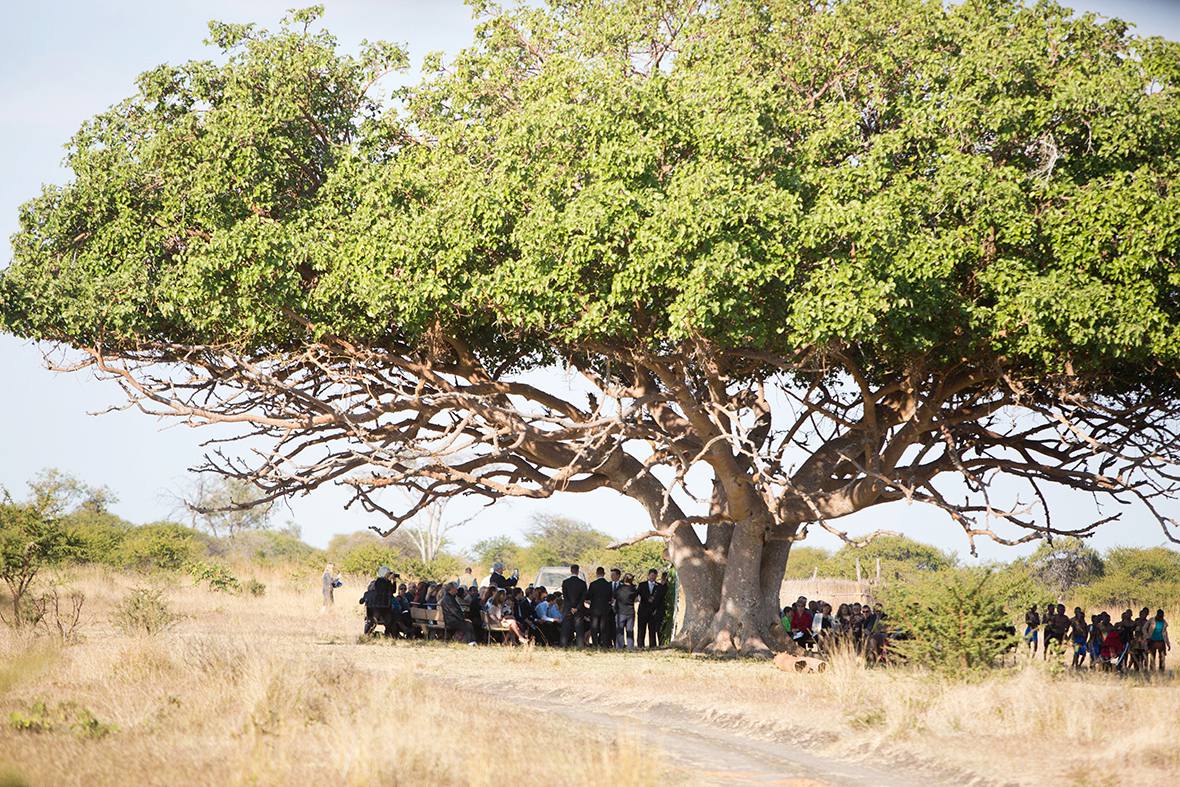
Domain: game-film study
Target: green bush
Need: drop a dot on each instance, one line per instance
(215, 575)
(99, 536)
(41, 717)
(143, 611)
(365, 558)
(951, 621)
(900, 557)
(269, 548)
(807, 560)
(164, 545)
(632, 559)
(255, 588)
(1136, 577)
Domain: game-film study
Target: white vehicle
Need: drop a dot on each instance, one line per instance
(551, 577)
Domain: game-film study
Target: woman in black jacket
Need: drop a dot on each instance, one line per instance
(625, 595)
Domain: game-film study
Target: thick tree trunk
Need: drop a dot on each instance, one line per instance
(744, 621)
(732, 607)
(699, 578)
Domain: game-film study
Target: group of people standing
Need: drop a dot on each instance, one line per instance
(604, 613)
(1132, 643)
(615, 612)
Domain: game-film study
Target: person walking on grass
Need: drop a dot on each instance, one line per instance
(1158, 643)
(330, 581)
(1079, 634)
(1032, 627)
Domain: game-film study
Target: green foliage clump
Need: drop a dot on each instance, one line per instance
(900, 557)
(1134, 577)
(30, 540)
(559, 541)
(41, 717)
(631, 559)
(365, 558)
(807, 560)
(951, 620)
(143, 611)
(255, 588)
(99, 536)
(498, 548)
(216, 576)
(164, 545)
(269, 548)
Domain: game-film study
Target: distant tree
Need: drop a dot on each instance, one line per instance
(56, 493)
(428, 531)
(497, 548)
(631, 558)
(557, 540)
(808, 560)
(899, 556)
(1148, 577)
(31, 538)
(1064, 564)
(223, 506)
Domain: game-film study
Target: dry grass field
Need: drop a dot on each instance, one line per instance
(263, 690)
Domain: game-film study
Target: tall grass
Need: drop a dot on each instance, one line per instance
(262, 690)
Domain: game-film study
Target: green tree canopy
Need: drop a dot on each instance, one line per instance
(899, 557)
(826, 254)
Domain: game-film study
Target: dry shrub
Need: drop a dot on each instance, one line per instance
(143, 611)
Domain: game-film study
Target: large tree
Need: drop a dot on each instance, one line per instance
(823, 255)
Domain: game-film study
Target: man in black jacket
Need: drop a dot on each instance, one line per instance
(498, 580)
(573, 592)
(378, 601)
(455, 620)
(651, 610)
(600, 596)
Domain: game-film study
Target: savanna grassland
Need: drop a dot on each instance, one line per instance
(244, 689)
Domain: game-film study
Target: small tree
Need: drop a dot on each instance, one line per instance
(428, 531)
(56, 493)
(899, 556)
(557, 540)
(1065, 563)
(497, 548)
(951, 621)
(29, 541)
(223, 506)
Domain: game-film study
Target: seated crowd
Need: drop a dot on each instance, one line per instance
(813, 626)
(1133, 643)
(613, 612)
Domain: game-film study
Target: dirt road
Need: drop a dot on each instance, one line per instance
(713, 751)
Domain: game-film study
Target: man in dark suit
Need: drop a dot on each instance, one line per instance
(651, 610)
(616, 579)
(601, 599)
(573, 592)
(378, 601)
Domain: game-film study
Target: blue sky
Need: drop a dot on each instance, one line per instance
(64, 61)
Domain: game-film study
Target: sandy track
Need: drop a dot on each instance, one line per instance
(710, 752)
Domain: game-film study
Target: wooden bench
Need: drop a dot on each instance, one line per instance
(428, 621)
(492, 628)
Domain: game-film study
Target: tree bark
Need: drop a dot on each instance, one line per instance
(742, 624)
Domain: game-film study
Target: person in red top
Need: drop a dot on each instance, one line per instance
(800, 620)
(1112, 645)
